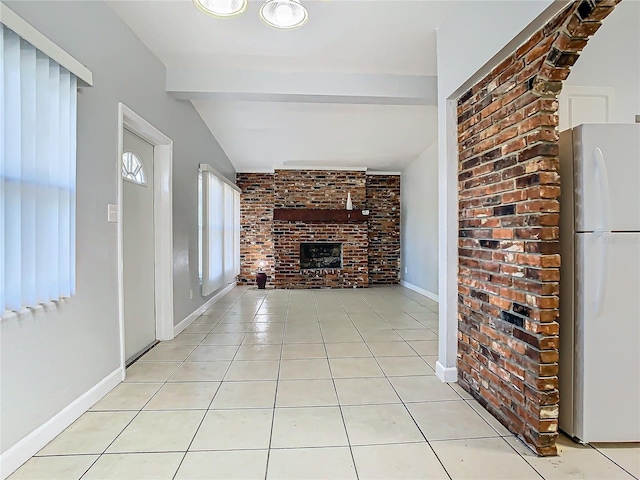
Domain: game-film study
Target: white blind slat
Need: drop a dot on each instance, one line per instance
(2, 169)
(64, 190)
(28, 189)
(44, 199)
(11, 171)
(54, 171)
(71, 165)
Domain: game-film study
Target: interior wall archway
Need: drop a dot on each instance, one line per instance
(508, 247)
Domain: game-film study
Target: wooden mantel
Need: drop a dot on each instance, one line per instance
(318, 215)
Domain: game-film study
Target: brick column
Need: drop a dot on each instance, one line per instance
(508, 228)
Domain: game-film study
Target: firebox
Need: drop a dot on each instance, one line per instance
(315, 256)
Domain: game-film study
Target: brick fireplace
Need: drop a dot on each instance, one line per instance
(282, 211)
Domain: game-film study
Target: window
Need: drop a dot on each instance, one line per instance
(133, 169)
(37, 175)
(219, 230)
(200, 224)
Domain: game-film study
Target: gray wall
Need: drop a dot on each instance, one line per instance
(419, 235)
(49, 358)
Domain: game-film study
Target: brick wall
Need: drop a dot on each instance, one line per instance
(319, 189)
(383, 200)
(508, 228)
(256, 221)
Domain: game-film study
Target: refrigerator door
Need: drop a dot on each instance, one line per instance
(607, 337)
(607, 177)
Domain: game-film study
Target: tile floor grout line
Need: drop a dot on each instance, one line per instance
(335, 388)
(253, 449)
(90, 467)
(524, 458)
(485, 420)
(275, 398)
(612, 460)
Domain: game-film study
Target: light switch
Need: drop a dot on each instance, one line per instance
(112, 213)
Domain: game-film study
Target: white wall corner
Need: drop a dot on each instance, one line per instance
(177, 329)
(421, 291)
(22, 451)
(446, 374)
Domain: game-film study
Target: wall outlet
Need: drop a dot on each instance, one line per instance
(191, 293)
(405, 269)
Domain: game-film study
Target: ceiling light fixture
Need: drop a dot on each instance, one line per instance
(284, 13)
(222, 8)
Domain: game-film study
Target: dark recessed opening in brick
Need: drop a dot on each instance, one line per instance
(314, 256)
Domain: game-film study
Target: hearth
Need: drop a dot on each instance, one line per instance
(317, 256)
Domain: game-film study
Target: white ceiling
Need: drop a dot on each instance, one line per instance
(380, 137)
(353, 87)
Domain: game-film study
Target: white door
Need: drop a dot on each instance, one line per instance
(608, 337)
(607, 177)
(138, 245)
(578, 105)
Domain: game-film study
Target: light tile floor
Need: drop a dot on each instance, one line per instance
(304, 384)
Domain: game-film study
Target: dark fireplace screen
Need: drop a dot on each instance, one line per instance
(320, 255)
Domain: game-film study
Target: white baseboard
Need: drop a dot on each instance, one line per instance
(177, 329)
(421, 291)
(446, 374)
(22, 451)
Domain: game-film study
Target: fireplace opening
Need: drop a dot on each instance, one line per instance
(320, 256)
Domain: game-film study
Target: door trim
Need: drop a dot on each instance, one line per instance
(162, 220)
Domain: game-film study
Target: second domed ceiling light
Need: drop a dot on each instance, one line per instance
(222, 8)
(284, 14)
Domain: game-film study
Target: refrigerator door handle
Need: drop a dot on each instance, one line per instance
(603, 189)
(601, 272)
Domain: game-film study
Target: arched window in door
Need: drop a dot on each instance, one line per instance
(133, 169)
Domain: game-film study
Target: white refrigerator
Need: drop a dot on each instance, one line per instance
(600, 283)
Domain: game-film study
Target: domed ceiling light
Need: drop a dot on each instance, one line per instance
(222, 8)
(284, 13)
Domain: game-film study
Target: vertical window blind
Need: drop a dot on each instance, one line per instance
(220, 227)
(37, 176)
